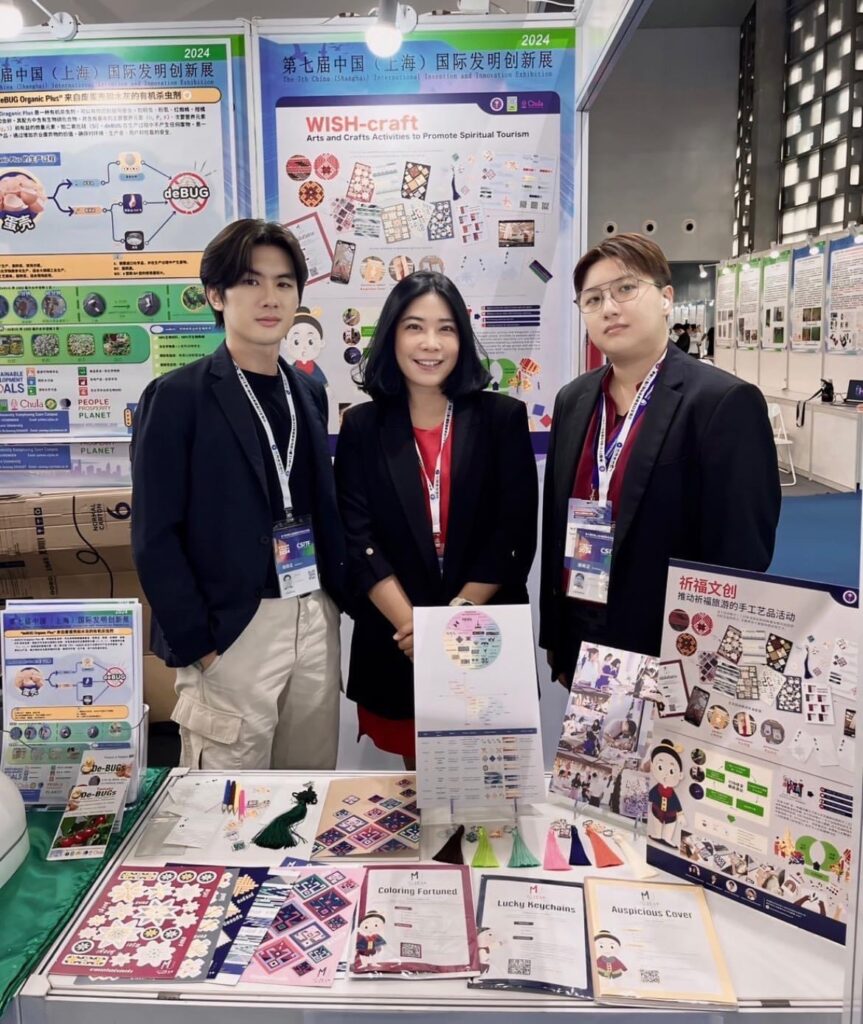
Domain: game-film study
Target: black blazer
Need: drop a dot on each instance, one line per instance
(491, 529)
(202, 520)
(701, 484)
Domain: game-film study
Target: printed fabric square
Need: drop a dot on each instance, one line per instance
(343, 215)
(441, 225)
(415, 182)
(707, 661)
(395, 821)
(303, 968)
(344, 849)
(395, 222)
(352, 824)
(367, 221)
(351, 800)
(331, 836)
(368, 837)
(406, 793)
(391, 846)
(726, 678)
(748, 687)
(375, 812)
(411, 834)
(731, 646)
(362, 184)
(342, 813)
(275, 955)
(348, 886)
(335, 922)
(376, 799)
(778, 651)
(308, 887)
(319, 955)
(334, 877)
(392, 802)
(288, 917)
(790, 696)
(327, 903)
(311, 935)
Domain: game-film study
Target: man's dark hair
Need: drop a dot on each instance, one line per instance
(379, 375)
(229, 256)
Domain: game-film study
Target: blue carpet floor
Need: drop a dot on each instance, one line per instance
(819, 539)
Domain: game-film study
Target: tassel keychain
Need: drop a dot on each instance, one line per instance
(450, 852)
(603, 855)
(577, 853)
(484, 856)
(279, 834)
(636, 863)
(521, 857)
(553, 859)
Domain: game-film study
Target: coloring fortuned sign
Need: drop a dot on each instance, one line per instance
(455, 156)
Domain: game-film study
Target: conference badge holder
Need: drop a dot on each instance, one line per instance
(587, 555)
(294, 553)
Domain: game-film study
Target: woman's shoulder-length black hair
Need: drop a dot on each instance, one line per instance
(378, 373)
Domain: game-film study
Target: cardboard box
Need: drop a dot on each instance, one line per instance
(67, 533)
(159, 688)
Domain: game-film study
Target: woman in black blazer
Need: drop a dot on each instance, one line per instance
(696, 479)
(437, 487)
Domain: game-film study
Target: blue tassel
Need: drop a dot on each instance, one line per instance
(577, 853)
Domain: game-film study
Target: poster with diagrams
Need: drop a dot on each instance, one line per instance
(72, 681)
(119, 161)
(752, 789)
(726, 296)
(845, 297)
(807, 298)
(601, 753)
(748, 304)
(455, 156)
(476, 701)
(774, 302)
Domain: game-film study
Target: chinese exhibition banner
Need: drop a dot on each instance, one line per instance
(119, 160)
(457, 156)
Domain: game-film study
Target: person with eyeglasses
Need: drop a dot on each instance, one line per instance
(651, 457)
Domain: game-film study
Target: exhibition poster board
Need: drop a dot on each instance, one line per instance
(119, 160)
(844, 335)
(748, 304)
(807, 298)
(774, 301)
(726, 297)
(753, 786)
(455, 155)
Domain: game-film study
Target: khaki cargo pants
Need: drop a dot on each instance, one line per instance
(271, 700)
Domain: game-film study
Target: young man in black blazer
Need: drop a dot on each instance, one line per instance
(231, 471)
(688, 467)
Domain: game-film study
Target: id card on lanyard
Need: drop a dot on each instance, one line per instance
(433, 484)
(590, 524)
(293, 538)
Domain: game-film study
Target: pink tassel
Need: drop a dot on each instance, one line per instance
(553, 859)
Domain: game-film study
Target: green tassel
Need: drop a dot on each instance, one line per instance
(484, 856)
(521, 857)
(280, 834)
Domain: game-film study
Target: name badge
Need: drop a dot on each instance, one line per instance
(587, 555)
(294, 553)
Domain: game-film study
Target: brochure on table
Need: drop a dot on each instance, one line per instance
(752, 791)
(476, 707)
(602, 750)
(72, 682)
(654, 943)
(532, 935)
(415, 922)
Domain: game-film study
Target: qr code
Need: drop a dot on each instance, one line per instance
(650, 977)
(521, 967)
(411, 951)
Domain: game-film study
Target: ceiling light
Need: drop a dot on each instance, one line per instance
(394, 21)
(774, 250)
(813, 247)
(702, 273)
(857, 232)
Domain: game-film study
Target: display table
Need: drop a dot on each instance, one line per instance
(778, 971)
(40, 898)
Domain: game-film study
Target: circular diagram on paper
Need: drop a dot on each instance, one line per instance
(472, 639)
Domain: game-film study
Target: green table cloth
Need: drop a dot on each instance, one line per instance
(37, 902)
